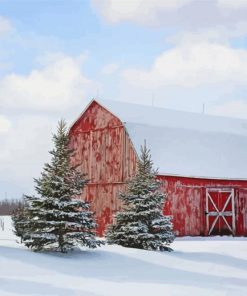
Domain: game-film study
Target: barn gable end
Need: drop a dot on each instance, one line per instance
(94, 117)
(105, 153)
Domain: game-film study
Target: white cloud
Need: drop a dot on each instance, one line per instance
(191, 65)
(234, 108)
(58, 85)
(24, 149)
(110, 69)
(34, 103)
(232, 4)
(141, 11)
(4, 124)
(217, 34)
(5, 25)
(185, 14)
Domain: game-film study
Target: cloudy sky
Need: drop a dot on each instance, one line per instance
(56, 55)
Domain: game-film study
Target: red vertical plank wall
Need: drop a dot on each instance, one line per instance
(105, 153)
(186, 203)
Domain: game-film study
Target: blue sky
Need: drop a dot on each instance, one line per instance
(56, 55)
(72, 27)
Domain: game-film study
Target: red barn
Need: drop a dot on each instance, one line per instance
(202, 162)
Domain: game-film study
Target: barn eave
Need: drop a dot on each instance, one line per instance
(200, 177)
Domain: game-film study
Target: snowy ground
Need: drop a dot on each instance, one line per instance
(216, 266)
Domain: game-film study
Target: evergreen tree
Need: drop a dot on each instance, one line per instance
(57, 219)
(141, 224)
(18, 218)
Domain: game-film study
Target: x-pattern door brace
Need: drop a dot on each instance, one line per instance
(220, 213)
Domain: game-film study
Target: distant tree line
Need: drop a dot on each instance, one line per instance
(8, 206)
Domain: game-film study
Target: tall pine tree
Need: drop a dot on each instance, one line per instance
(141, 224)
(57, 219)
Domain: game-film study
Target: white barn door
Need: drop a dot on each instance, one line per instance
(220, 211)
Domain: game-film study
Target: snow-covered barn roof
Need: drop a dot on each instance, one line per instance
(184, 143)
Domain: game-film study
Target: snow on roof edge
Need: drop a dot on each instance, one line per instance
(201, 177)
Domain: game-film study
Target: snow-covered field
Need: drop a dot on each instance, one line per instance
(215, 266)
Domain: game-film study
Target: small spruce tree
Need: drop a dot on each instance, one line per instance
(57, 219)
(141, 223)
(18, 218)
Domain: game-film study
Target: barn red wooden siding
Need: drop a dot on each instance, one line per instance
(187, 203)
(105, 152)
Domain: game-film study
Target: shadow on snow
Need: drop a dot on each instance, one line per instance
(114, 267)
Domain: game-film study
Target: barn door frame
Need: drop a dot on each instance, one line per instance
(217, 213)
